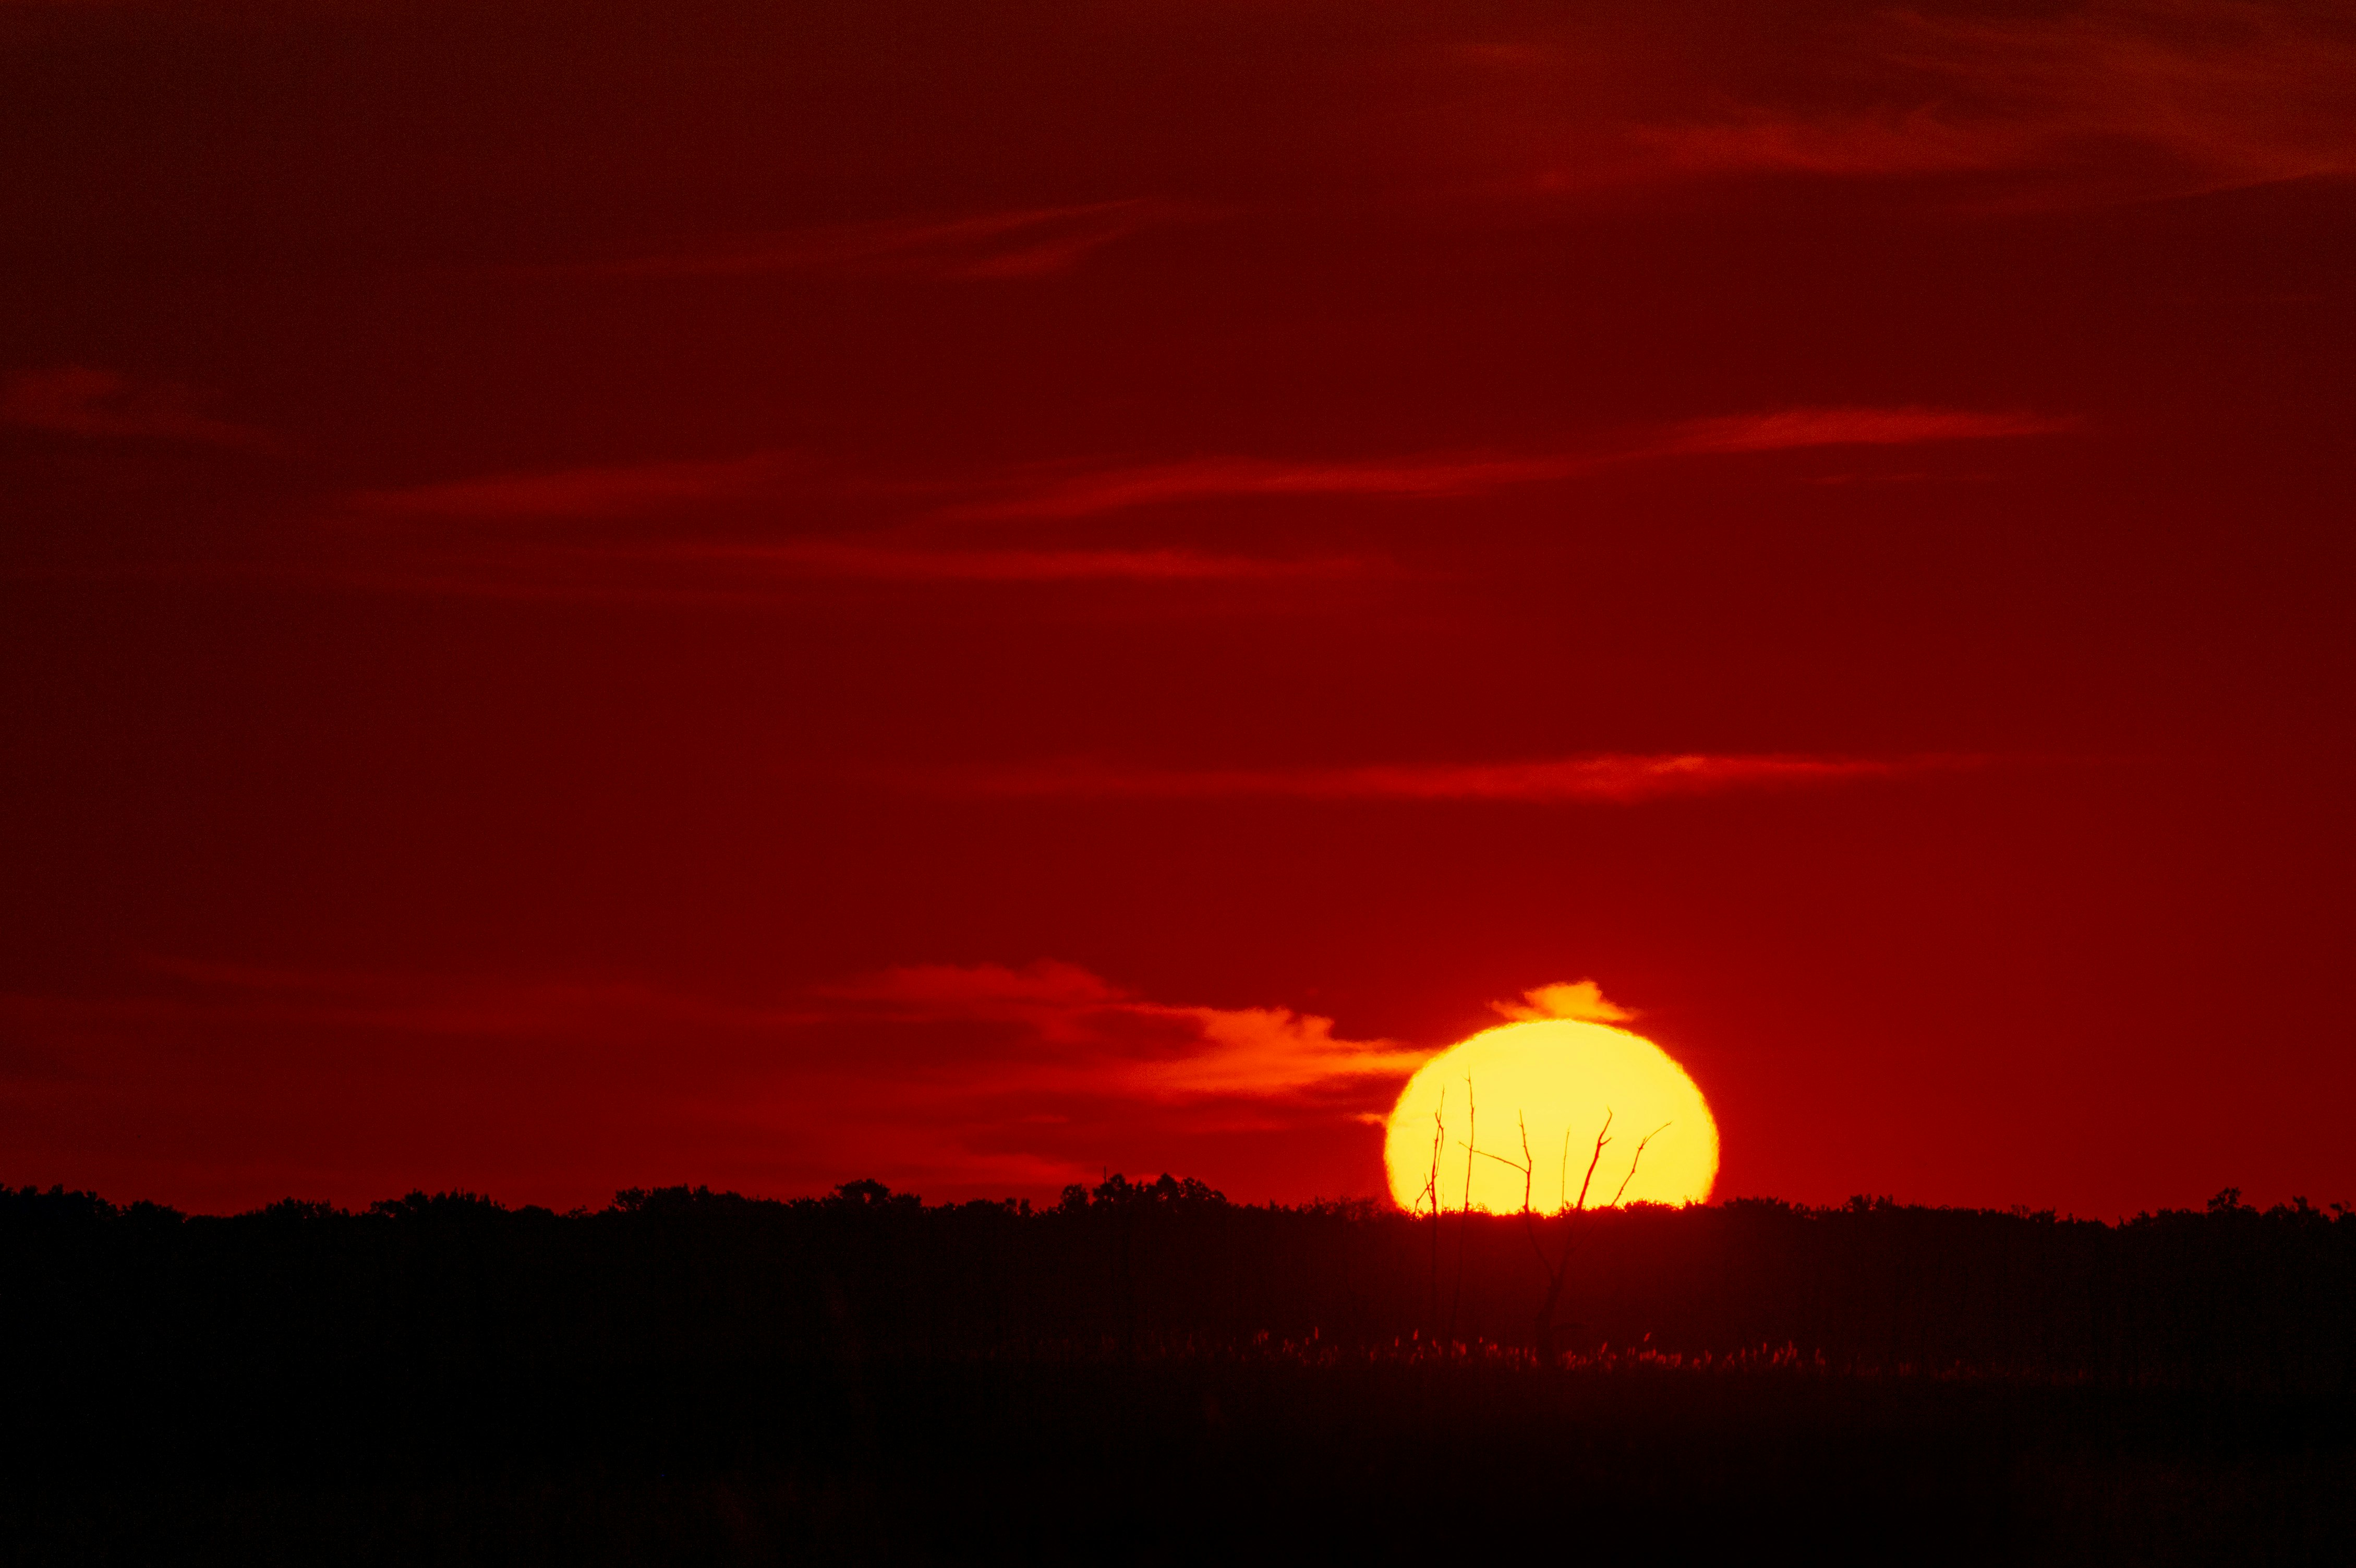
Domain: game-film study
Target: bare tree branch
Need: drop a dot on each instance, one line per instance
(1438, 1143)
(1558, 1271)
(1464, 1225)
(1601, 1138)
(1632, 1163)
(1529, 1168)
(1471, 1136)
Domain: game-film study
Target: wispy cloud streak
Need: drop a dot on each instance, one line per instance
(619, 490)
(458, 546)
(847, 559)
(669, 487)
(754, 575)
(2212, 93)
(1796, 429)
(1605, 779)
(1089, 493)
(1116, 489)
(1079, 1033)
(976, 1078)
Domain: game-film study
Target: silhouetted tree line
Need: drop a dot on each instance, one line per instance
(2230, 1299)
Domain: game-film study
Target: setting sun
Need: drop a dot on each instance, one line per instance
(1556, 1080)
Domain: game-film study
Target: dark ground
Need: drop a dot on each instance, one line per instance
(694, 1379)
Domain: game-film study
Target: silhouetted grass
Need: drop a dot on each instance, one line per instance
(1150, 1374)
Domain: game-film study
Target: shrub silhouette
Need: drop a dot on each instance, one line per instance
(2228, 1298)
(1146, 1370)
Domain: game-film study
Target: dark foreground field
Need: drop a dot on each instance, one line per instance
(1152, 1375)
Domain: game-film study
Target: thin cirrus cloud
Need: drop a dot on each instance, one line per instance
(621, 490)
(713, 566)
(964, 1079)
(913, 563)
(1072, 1031)
(2236, 93)
(654, 488)
(1047, 1023)
(1121, 489)
(1913, 142)
(2116, 99)
(1794, 429)
(692, 573)
(1066, 496)
(709, 566)
(1603, 779)
(649, 491)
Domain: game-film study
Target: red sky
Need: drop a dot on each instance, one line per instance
(622, 593)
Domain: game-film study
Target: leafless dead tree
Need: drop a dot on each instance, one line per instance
(1464, 1223)
(1524, 1165)
(1557, 1268)
(1432, 1191)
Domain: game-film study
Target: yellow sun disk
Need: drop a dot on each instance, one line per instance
(1558, 1078)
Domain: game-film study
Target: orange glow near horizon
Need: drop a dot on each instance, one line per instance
(1557, 1079)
